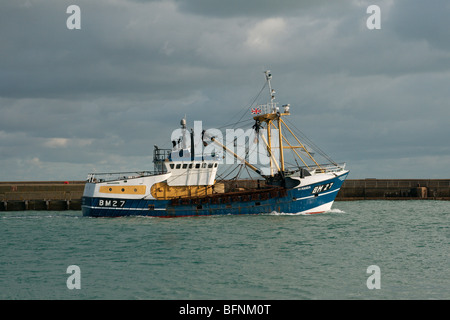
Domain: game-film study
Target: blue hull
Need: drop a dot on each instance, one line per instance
(303, 199)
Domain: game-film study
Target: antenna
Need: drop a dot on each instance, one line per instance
(183, 122)
(271, 91)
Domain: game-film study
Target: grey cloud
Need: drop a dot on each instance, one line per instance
(422, 21)
(252, 8)
(101, 97)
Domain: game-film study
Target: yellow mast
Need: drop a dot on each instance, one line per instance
(280, 137)
(271, 114)
(272, 158)
(269, 149)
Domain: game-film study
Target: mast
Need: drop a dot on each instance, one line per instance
(274, 108)
(280, 137)
(271, 113)
(272, 116)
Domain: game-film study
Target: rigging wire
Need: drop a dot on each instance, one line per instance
(311, 143)
(222, 178)
(234, 124)
(246, 109)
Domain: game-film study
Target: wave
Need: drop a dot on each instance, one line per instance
(335, 211)
(275, 213)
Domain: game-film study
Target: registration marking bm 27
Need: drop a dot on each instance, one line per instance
(321, 188)
(111, 203)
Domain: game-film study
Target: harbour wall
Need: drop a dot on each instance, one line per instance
(66, 195)
(41, 195)
(394, 189)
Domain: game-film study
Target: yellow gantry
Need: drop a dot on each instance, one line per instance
(276, 117)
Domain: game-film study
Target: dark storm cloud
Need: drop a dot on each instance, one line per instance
(423, 21)
(251, 8)
(119, 49)
(99, 98)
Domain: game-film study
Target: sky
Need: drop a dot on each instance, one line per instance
(98, 98)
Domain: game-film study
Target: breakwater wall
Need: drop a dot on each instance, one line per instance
(394, 189)
(66, 195)
(41, 195)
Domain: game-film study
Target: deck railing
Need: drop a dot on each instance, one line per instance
(326, 168)
(113, 176)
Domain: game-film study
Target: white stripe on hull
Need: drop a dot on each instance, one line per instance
(319, 209)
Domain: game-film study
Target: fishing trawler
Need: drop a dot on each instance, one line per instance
(186, 181)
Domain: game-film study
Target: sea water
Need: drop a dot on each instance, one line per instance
(275, 256)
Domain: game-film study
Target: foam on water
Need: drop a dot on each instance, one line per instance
(333, 210)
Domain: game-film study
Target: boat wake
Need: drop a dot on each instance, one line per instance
(335, 211)
(274, 213)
